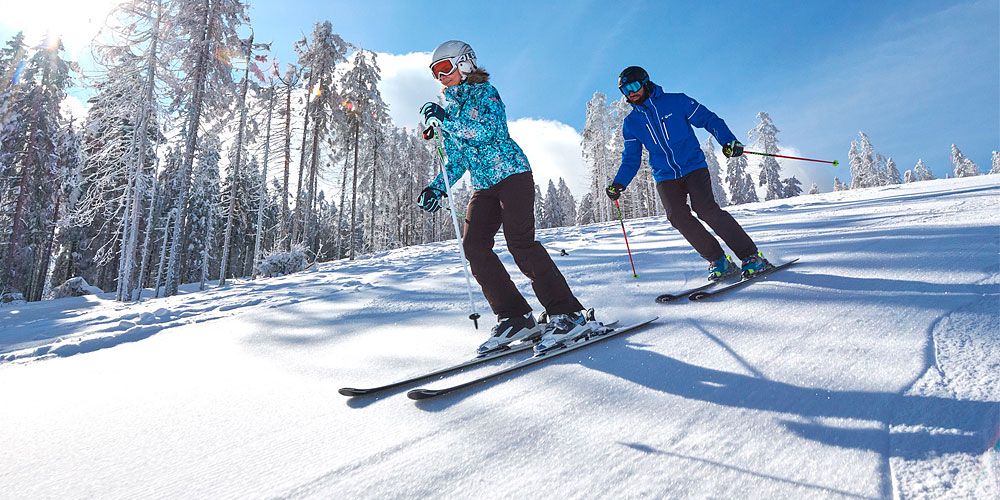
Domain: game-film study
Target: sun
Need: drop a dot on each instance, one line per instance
(74, 22)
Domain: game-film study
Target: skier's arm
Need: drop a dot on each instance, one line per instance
(485, 121)
(631, 157)
(700, 116)
(456, 167)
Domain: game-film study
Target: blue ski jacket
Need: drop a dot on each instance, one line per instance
(476, 138)
(663, 125)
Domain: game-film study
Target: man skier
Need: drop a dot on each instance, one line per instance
(473, 125)
(662, 123)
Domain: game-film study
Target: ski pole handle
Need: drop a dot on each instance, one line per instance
(429, 133)
(834, 162)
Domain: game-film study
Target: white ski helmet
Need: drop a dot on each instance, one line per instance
(459, 56)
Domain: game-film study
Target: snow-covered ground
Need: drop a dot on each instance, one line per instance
(871, 369)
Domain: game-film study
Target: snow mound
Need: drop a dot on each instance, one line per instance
(75, 287)
(282, 263)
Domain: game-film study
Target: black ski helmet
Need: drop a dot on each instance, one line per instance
(634, 74)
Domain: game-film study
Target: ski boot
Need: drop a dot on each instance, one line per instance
(721, 268)
(565, 328)
(509, 330)
(754, 265)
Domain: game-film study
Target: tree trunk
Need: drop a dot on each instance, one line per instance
(354, 190)
(224, 263)
(194, 121)
(340, 208)
(288, 160)
(371, 237)
(18, 225)
(302, 160)
(263, 186)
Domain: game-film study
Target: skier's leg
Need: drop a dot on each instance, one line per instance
(699, 185)
(673, 194)
(517, 201)
(482, 221)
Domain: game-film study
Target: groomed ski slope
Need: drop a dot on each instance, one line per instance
(871, 369)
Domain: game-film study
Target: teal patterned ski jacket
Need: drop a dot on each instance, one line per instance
(476, 138)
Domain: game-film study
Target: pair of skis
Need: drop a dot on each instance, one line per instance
(604, 332)
(709, 290)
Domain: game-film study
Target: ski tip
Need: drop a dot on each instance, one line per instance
(418, 394)
(698, 296)
(347, 391)
(663, 299)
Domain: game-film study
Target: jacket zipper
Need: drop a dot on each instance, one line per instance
(653, 135)
(672, 167)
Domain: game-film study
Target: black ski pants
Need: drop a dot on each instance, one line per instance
(511, 203)
(698, 185)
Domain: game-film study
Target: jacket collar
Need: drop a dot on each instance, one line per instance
(463, 91)
(656, 92)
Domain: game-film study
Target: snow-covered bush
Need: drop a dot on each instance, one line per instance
(75, 287)
(11, 297)
(282, 263)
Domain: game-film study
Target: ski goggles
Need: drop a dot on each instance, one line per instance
(630, 87)
(444, 67)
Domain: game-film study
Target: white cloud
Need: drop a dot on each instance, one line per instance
(553, 149)
(406, 85)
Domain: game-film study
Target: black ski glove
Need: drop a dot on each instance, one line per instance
(430, 199)
(434, 115)
(732, 149)
(614, 190)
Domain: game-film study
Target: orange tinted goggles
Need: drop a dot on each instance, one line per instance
(444, 67)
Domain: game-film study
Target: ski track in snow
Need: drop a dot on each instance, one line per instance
(871, 369)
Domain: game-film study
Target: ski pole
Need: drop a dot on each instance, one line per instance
(622, 220)
(834, 162)
(429, 134)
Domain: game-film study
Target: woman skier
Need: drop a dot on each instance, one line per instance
(473, 125)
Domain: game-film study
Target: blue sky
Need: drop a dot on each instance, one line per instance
(915, 76)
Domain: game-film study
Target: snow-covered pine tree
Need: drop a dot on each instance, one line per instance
(129, 52)
(540, 220)
(204, 209)
(909, 177)
(586, 211)
(715, 171)
(207, 29)
(741, 188)
(996, 163)
(814, 189)
(71, 236)
(31, 126)
(270, 93)
(552, 211)
(921, 172)
(792, 187)
(290, 80)
(963, 166)
(567, 203)
(236, 160)
(839, 186)
(597, 157)
(368, 112)
(864, 165)
(11, 57)
(892, 175)
(765, 138)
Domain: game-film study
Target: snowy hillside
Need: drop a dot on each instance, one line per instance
(871, 369)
